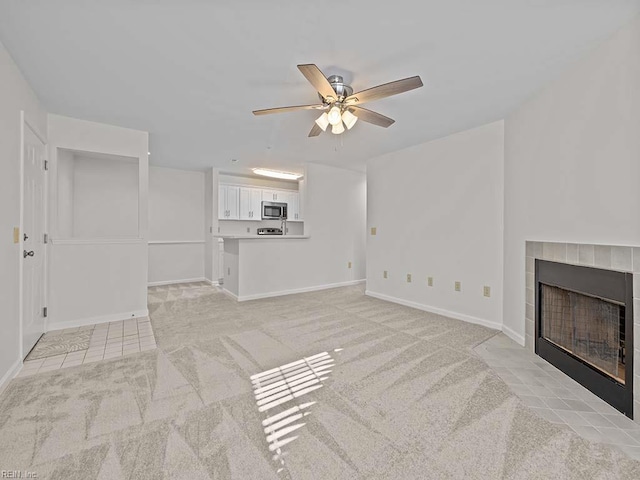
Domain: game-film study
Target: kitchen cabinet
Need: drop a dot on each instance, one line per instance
(273, 195)
(237, 202)
(250, 203)
(292, 199)
(228, 202)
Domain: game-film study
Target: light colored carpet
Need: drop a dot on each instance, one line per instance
(407, 399)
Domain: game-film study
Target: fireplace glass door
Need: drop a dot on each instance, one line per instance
(589, 328)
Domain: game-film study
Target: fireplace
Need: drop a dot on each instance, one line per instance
(584, 327)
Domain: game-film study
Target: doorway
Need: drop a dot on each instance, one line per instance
(32, 236)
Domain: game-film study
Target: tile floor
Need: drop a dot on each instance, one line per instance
(558, 398)
(108, 340)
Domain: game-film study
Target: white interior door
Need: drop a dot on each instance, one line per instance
(33, 251)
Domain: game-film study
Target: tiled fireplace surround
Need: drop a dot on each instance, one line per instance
(623, 259)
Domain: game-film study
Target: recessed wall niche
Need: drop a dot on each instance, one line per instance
(97, 195)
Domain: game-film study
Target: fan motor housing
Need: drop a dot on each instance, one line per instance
(342, 90)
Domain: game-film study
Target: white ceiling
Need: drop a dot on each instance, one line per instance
(191, 71)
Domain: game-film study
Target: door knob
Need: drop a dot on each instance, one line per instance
(26, 254)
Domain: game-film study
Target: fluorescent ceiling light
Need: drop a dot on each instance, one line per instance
(334, 116)
(349, 119)
(323, 121)
(338, 128)
(276, 174)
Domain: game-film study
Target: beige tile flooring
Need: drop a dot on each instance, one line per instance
(108, 340)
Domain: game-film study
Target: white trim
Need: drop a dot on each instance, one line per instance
(213, 283)
(440, 311)
(519, 339)
(175, 242)
(11, 373)
(229, 294)
(258, 296)
(96, 241)
(83, 322)
(173, 282)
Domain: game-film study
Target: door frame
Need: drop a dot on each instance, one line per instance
(26, 123)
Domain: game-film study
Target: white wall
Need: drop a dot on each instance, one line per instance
(105, 197)
(65, 177)
(335, 219)
(15, 95)
(94, 280)
(176, 225)
(437, 208)
(572, 162)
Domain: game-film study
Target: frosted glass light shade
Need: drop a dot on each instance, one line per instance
(334, 116)
(349, 119)
(338, 128)
(323, 121)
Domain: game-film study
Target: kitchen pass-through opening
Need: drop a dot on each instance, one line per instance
(584, 327)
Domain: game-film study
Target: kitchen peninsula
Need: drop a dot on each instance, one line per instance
(259, 266)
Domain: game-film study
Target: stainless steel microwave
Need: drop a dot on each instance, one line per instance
(274, 210)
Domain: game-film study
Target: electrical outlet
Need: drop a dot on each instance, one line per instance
(349, 265)
(218, 229)
(16, 234)
(430, 281)
(248, 230)
(487, 291)
(408, 278)
(384, 274)
(228, 270)
(373, 231)
(457, 286)
(210, 229)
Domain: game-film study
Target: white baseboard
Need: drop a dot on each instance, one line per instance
(519, 339)
(174, 282)
(281, 293)
(440, 311)
(100, 319)
(8, 376)
(229, 294)
(213, 283)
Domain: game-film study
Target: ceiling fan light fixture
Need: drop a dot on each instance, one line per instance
(337, 128)
(276, 174)
(349, 119)
(323, 121)
(334, 116)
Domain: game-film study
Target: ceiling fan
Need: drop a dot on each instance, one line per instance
(340, 106)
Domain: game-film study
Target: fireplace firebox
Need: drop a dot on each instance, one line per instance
(584, 327)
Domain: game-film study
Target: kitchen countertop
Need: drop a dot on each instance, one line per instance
(261, 237)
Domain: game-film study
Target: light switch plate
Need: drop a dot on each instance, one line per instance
(430, 281)
(349, 264)
(16, 234)
(487, 291)
(374, 231)
(408, 278)
(384, 274)
(457, 286)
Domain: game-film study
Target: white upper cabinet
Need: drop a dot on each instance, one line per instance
(245, 203)
(272, 195)
(250, 203)
(293, 207)
(228, 202)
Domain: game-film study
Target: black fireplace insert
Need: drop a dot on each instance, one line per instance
(584, 327)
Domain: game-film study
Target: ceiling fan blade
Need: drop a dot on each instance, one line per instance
(268, 111)
(385, 90)
(315, 131)
(316, 78)
(371, 117)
